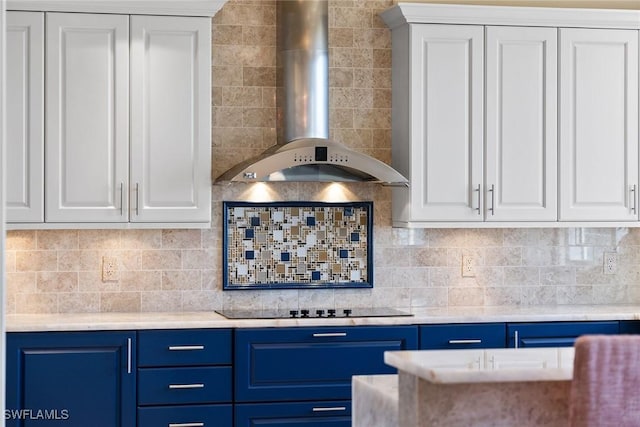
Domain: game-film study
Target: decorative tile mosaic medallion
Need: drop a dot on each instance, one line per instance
(297, 245)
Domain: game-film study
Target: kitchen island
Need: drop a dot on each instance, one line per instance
(499, 387)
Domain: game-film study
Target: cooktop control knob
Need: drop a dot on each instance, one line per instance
(332, 313)
(293, 313)
(320, 313)
(305, 313)
(347, 312)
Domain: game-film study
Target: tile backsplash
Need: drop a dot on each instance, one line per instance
(181, 270)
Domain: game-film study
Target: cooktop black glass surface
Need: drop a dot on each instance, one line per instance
(312, 313)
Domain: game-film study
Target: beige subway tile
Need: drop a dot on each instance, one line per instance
(99, 239)
(351, 18)
(363, 77)
(409, 277)
(341, 37)
(161, 301)
(140, 280)
(10, 304)
(21, 283)
(352, 298)
(258, 117)
(381, 138)
(280, 299)
(382, 78)
(502, 296)
(610, 294)
(269, 99)
(578, 294)
(259, 35)
(381, 58)
(236, 13)
(57, 239)
(227, 117)
(342, 97)
(521, 276)
(428, 297)
(226, 75)
(141, 239)
(120, 302)
(36, 261)
(79, 260)
(489, 276)
(341, 57)
(57, 282)
(465, 297)
(242, 300)
(538, 295)
(391, 297)
(341, 117)
(21, 240)
(212, 279)
(226, 35)
(503, 256)
(371, 118)
(561, 275)
(91, 282)
(10, 261)
(181, 239)
(173, 280)
(409, 236)
(381, 98)
(430, 257)
(79, 302)
(258, 76)
(376, 38)
(200, 258)
(392, 257)
(36, 303)
(201, 301)
(341, 77)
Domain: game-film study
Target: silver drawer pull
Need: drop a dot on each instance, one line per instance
(465, 341)
(330, 409)
(185, 347)
(186, 424)
(182, 386)
(330, 334)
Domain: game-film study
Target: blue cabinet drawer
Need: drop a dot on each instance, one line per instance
(298, 414)
(555, 334)
(192, 415)
(312, 363)
(461, 336)
(184, 347)
(158, 386)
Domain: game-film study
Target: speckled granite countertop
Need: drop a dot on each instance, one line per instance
(128, 321)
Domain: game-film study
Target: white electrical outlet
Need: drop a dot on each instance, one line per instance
(468, 266)
(110, 269)
(610, 263)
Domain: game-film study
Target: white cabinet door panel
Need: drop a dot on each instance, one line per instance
(24, 164)
(170, 119)
(446, 122)
(87, 120)
(599, 124)
(521, 128)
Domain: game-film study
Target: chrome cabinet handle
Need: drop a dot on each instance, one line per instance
(185, 347)
(330, 334)
(472, 341)
(128, 355)
(479, 198)
(185, 386)
(186, 425)
(329, 409)
(515, 336)
(137, 198)
(493, 197)
(633, 197)
(121, 199)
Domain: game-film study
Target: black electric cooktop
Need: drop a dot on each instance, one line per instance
(312, 313)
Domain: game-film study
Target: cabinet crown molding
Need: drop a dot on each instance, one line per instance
(421, 13)
(128, 7)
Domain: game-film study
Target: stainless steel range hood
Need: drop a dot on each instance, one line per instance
(304, 151)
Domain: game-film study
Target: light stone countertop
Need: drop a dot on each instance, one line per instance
(204, 319)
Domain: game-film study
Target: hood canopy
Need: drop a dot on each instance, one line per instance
(304, 151)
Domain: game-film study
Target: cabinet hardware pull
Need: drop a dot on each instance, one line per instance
(330, 409)
(128, 355)
(493, 197)
(473, 341)
(186, 424)
(330, 334)
(633, 196)
(185, 386)
(479, 194)
(121, 199)
(137, 197)
(185, 347)
(515, 336)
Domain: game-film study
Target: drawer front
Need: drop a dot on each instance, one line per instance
(158, 386)
(555, 334)
(462, 336)
(299, 414)
(186, 416)
(312, 363)
(184, 347)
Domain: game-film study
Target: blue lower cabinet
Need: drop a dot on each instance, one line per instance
(192, 415)
(630, 327)
(184, 385)
(555, 334)
(288, 364)
(456, 336)
(308, 414)
(71, 379)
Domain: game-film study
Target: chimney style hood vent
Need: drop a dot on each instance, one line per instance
(304, 151)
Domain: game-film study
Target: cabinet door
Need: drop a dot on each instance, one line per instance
(75, 379)
(598, 124)
(87, 124)
(521, 144)
(24, 164)
(462, 336)
(446, 122)
(170, 119)
(555, 334)
(298, 414)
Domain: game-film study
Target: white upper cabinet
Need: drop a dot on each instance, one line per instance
(440, 148)
(170, 119)
(87, 124)
(599, 131)
(24, 196)
(521, 124)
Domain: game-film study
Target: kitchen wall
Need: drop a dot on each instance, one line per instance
(181, 270)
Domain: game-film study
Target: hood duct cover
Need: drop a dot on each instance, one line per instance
(304, 151)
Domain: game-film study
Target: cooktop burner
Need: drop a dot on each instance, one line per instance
(312, 313)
